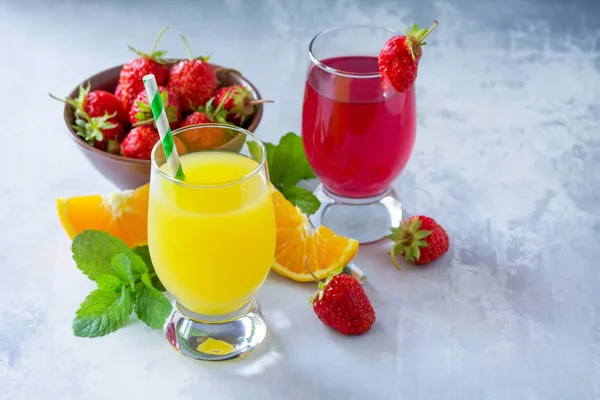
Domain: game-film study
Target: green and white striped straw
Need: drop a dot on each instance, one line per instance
(162, 124)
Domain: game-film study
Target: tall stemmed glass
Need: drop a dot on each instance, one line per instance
(358, 138)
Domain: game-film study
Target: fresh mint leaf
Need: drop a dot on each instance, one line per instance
(93, 252)
(288, 165)
(289, 162)
(144, 253)
(156, 283)
(151, 306)
(309, 173)
(103, 312)
(302, 198)
(271, 151)
(121, 265)
(108, 283)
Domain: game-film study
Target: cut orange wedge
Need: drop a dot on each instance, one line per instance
(298, 242)
(123, 214)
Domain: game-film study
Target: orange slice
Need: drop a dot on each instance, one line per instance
(123, 214)
(298, 242)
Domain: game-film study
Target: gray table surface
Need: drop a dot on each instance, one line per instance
(507, 158)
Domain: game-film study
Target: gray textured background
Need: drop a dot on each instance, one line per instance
(507, 158)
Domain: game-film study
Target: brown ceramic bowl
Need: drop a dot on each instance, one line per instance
(129, 173)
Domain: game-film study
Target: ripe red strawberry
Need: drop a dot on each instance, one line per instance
(100, 132)
(193, 80)
(118, 90)
(419, 239)
(208, 113)
(196, 118)
(139, 142)
(342, 304)
(141, 113)
(98, 117)
(128, 95)
(132, 73)
(97, 103)
(238, 102)
(399, 58)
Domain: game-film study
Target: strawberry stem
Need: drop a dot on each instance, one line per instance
(254, 102)
(187, 47)
(157, 39)
(435, 24)
(222, 103)
(76, 105)
(56, 98)
(310, 271)
(393, 255)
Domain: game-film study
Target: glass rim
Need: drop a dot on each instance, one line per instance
(218, 185)
(335, 71)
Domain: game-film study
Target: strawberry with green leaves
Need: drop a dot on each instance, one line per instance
(342, 304)
(98, 103)
(194, 81)
(100, 132)
(99, 118)
(239, 103)
(130, 78)
(419, 239)
(141, 113)
(208, 114)
(399, 58)
(126, 282)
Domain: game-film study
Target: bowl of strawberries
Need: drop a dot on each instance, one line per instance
(110, 120)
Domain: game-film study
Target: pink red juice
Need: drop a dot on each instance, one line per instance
(357, 139)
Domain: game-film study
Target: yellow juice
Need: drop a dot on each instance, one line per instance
(212, 243)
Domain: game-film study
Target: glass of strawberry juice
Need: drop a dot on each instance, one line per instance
(358, 138)
(212, 239)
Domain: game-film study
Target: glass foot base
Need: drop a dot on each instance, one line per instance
(366, 220)
(203, 338)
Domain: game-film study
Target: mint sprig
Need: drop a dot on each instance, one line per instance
(126, 281)
(144, 253)
(288, 166)
(121, 265)
(108, 283)
(151, 306)
(93, 252)
(103, 312)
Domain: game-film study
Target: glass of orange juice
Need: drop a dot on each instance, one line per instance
(212, 239)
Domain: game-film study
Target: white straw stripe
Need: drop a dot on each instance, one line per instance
(162, 123)
(356, 272)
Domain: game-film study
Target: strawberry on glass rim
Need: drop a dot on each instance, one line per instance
(399, 58)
